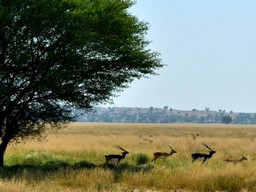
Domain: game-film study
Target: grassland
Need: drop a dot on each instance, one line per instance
(72, 159)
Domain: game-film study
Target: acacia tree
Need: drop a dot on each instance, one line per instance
(59, 54)
(226, 119)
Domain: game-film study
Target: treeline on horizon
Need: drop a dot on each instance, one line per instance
(162, 115)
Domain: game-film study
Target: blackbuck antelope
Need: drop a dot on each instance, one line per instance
(116, 157)
(235, 161)
(148, 140)
(163, 154)
(203, 156)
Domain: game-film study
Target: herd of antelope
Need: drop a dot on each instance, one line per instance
(195, 156)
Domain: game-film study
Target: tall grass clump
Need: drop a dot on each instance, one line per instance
(141, 158)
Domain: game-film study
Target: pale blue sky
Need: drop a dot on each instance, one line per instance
(209, 47)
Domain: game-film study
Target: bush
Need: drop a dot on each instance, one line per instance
(141, 159)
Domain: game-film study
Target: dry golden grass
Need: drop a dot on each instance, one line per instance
(72, 159)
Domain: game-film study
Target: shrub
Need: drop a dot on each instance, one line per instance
(141, 159)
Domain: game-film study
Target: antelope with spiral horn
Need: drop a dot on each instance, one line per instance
(163, 154)
(116, 157)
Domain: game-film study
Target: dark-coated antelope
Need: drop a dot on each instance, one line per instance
(235, 161)
(203, 156)
(116, 157)
(163, 154)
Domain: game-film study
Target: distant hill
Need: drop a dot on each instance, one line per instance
(162, 115)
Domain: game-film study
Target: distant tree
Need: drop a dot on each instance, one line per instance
(222, 111)
(254, 118)
(57, 55)
(194, 110)
(165, 107)
(209, 118)
(207, 109)
(201, 119)
(226, 119)
(243, 118)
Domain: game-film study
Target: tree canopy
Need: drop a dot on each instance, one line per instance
(226, 119)
(59, 54)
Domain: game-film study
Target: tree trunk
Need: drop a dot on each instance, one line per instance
(1, 159)
(2, 151)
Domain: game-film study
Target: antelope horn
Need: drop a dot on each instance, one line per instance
(118, 147)
(207, 146)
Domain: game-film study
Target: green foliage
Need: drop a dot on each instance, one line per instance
(57, 54)
(226, 119)
(140, 159)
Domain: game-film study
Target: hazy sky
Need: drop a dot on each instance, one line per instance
(209, 48)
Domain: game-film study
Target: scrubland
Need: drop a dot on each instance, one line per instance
(72, 159)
